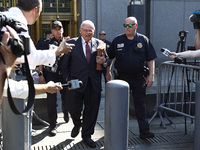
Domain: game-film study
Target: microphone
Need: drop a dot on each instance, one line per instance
(72, 84)
(166, 52)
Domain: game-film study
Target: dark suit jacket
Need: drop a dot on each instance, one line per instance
(75, 65)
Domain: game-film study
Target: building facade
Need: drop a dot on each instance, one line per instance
(63, 10)
(160, 20)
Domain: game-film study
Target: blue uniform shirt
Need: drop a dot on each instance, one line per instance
(131, 54)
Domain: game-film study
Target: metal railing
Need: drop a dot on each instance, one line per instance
(176, 90)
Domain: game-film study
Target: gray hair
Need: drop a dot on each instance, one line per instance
(132, 18)
(87, 22)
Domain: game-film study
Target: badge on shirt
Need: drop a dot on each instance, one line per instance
(139, 45)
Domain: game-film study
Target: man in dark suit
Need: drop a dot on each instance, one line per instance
(81, 64)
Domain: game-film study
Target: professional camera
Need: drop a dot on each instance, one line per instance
(18, 46)
(195, 18)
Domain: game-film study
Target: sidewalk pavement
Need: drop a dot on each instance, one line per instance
(175, 137)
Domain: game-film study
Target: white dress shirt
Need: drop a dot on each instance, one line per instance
(19, 89)
(84, 45)
(36, 57)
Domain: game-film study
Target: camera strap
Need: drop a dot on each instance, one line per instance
(31, 95)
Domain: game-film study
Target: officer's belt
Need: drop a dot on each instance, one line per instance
(135, 76)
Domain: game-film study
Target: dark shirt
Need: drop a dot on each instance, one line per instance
(131, 54)
(39, 44)
(108, 44)
(56, 42)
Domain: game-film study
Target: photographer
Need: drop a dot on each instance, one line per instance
(19, 89)
(27, 12)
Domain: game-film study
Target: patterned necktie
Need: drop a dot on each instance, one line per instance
(88, 53)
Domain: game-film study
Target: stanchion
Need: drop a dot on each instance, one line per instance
(197, 116)
(116, 115)
(16, 128)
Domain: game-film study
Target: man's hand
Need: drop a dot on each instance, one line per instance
(100, 59)
(150, 80)
(172, 55)
(53, 87)
(64, 47)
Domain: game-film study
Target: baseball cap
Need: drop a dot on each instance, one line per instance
(56, 23)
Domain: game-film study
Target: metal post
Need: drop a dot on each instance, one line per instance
(16, 128)
(116, 115)
(197, 115)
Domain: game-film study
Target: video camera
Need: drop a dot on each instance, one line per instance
(18, 46)
(195, 18)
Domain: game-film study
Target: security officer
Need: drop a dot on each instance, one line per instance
(55, 74)
(102, 36)
(48, 37)
(131, 51)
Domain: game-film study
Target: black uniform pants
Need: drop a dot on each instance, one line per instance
(138, 89)
(85, 104)
(52, 99)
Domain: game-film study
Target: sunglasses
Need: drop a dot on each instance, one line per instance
(102, 34)
(128, 25)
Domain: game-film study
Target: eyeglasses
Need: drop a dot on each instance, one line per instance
(88, 31)
(128, 25)
(102, 34)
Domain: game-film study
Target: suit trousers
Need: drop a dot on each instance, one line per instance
(138, 89)
(84, 104)
(52, 99)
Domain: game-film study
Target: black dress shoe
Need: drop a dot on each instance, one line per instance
(89, 142)
(53, 131)
(146, 134)
(75, 131)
